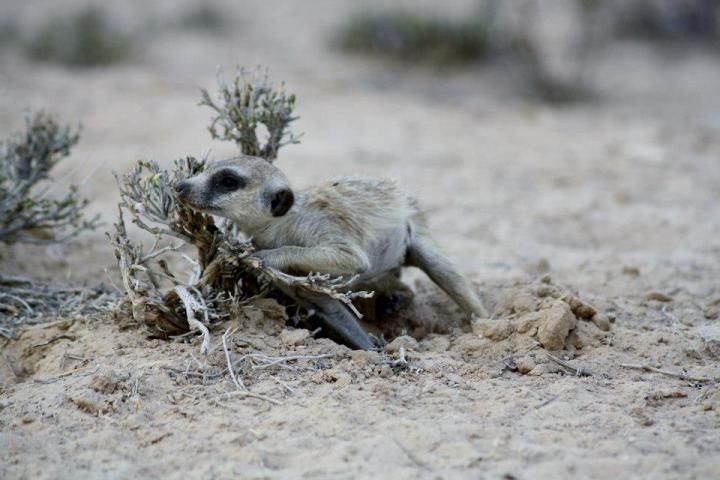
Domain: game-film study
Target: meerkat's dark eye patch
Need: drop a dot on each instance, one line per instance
(226, 181)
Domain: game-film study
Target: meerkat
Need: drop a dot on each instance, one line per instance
(351, 226)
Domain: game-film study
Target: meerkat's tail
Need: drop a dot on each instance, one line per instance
(423, 254)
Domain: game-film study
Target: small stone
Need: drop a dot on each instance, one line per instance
(294, 336)
(363, 357)
(555, 325)
(524, 302)
(339, 378)
(693, 354)
(105, 383)
(27, 419)
(470, 343)
(545, 290)
(706, 406)
(601, 321)
(641, 417)
(88, 404)
(405, 341)
(658, 297)
(579, 308)
(710, 335)
(630, 270)
(543, 265)
(525, 364)
(711, 312)
(528, 323)
(496, 330)
(543, 368)
(385, 371)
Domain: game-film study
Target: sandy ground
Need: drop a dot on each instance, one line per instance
(616, 200)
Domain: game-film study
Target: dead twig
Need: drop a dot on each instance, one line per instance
(411, 455)
(10, 366)
(401, 361)
(238, 382)
(245, 393)
(54, 339)
(577, 371)
(192, 306)
(275, 361)
(82, 373)
(203, 375)
(681, 376)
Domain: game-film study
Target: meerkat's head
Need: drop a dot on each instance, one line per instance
(247, 190)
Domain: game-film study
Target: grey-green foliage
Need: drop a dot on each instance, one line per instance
(27, 211)
(83, 39)
(669, 20)
(415, 38)
(248, 105)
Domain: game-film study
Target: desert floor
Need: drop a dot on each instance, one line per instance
(615, 200)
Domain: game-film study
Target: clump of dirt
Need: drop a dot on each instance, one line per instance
(548, 315)
(525, 315)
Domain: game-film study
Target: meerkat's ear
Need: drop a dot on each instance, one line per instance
(281, 201)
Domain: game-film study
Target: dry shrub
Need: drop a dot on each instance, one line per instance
(29, 214)
(85, 38)
(225, 274)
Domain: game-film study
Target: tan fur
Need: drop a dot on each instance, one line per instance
(351, 225)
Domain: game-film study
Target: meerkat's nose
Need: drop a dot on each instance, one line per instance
(182, 189)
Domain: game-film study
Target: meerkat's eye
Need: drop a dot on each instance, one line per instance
(229, 181)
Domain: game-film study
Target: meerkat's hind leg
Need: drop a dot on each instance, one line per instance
(391, 294)
(423, 254)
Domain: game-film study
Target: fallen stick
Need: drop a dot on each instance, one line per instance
(238, 383)
(55, 339)
(247, 394)
(681, 376)
(401, 361)
(578, 371)
(273, 361)
(79, 372)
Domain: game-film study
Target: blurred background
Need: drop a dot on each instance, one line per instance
(572, 136)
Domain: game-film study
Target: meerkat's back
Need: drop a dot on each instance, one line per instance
(376, 212)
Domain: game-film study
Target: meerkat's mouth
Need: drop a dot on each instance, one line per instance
(199, 206)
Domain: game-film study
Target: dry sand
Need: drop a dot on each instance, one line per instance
(615, 200)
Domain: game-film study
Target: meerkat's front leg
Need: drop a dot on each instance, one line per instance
(334, 260)
(323, 259)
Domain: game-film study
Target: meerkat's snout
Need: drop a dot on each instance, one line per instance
(182, 189)
(247, 190)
